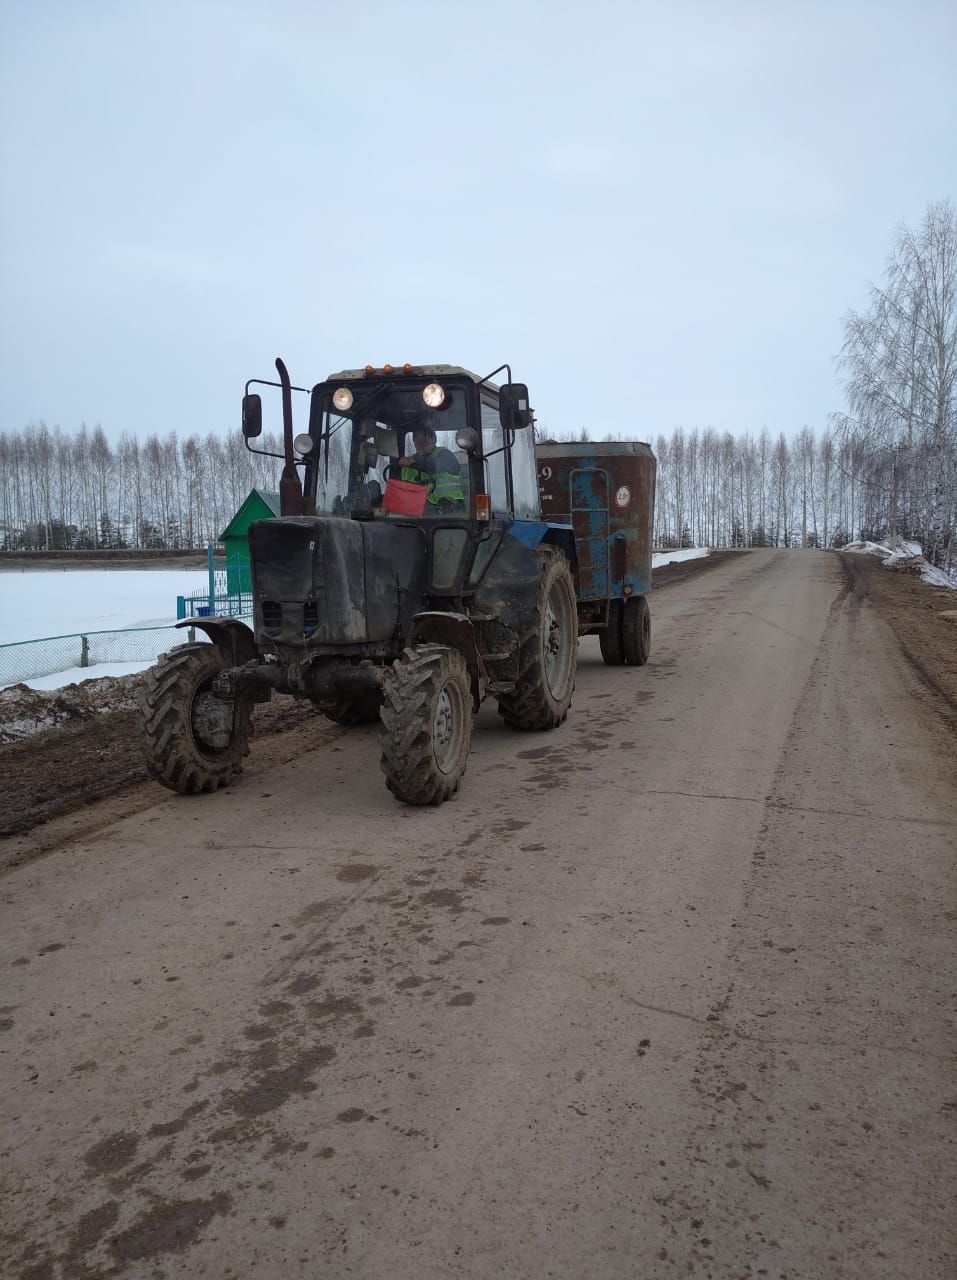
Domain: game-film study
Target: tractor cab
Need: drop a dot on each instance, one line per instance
(417, 441)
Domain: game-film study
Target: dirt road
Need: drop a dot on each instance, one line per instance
(666, 992)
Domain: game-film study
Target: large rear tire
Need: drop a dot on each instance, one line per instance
(610, 639)
(426, 724)
(193, 741)
(548, 652)
(636, 631)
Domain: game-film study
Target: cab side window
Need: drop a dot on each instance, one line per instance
(524, 469)
(494, 466)
(525, 475)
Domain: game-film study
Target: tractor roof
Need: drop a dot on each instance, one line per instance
(397, 372)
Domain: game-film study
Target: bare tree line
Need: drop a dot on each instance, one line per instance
(721, 491)
(886, 466)
(713, 489)
(77, 492)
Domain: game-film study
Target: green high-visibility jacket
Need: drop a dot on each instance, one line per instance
(439, 468)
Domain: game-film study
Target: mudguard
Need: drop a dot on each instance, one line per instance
(229, 634)
(532, 533)
(454, 630)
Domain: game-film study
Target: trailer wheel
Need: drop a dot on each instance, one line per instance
(636, 631)
(353, 711)
(611, 638)
(193, 741)
(426, 724)
(548, 652)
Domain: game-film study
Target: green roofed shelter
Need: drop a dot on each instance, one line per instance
(258, 505)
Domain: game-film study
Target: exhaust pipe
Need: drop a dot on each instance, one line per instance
(290, 486)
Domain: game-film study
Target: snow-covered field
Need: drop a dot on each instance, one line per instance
(52, 602)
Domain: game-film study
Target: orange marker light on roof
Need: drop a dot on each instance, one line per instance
(387, 368)
(406, 368)
(369, 369)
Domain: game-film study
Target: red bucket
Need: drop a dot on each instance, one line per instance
(403, 498)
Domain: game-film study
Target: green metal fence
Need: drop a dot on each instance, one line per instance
(218, 600)
(30, 659)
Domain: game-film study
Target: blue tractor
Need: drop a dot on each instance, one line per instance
(409, 576)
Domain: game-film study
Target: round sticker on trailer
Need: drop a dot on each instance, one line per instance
(623, 496)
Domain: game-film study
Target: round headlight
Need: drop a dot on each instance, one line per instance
(342, 398)
(466, 439)
(304, 444)
(434, 395)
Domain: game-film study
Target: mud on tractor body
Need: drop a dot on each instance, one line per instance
(409, 576)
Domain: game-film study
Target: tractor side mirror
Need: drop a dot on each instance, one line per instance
(513, 408)
(252, 416)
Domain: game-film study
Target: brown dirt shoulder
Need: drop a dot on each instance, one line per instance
(916, 613)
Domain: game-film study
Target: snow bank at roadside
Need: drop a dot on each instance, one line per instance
(25, 711)
(908, 557)
(79, 675)
(660, 558)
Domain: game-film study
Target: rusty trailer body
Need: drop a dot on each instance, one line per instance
(606, 492)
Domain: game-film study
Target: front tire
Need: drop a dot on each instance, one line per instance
(193, 741)
(548, 652)
(426, 724)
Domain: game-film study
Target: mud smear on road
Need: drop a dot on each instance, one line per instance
(167, 1227)
(273, 1088)
(111, 1153)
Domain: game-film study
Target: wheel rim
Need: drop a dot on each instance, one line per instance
(212, 721)
(557, 640)
(448, 727)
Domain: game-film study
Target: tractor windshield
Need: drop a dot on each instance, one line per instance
(389, 432)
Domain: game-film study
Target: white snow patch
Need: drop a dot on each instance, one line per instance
(81, 675)
(896, 553)
(675, 557)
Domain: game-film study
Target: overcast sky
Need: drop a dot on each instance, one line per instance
(657, 213)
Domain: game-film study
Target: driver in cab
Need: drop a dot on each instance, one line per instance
(435, 467)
